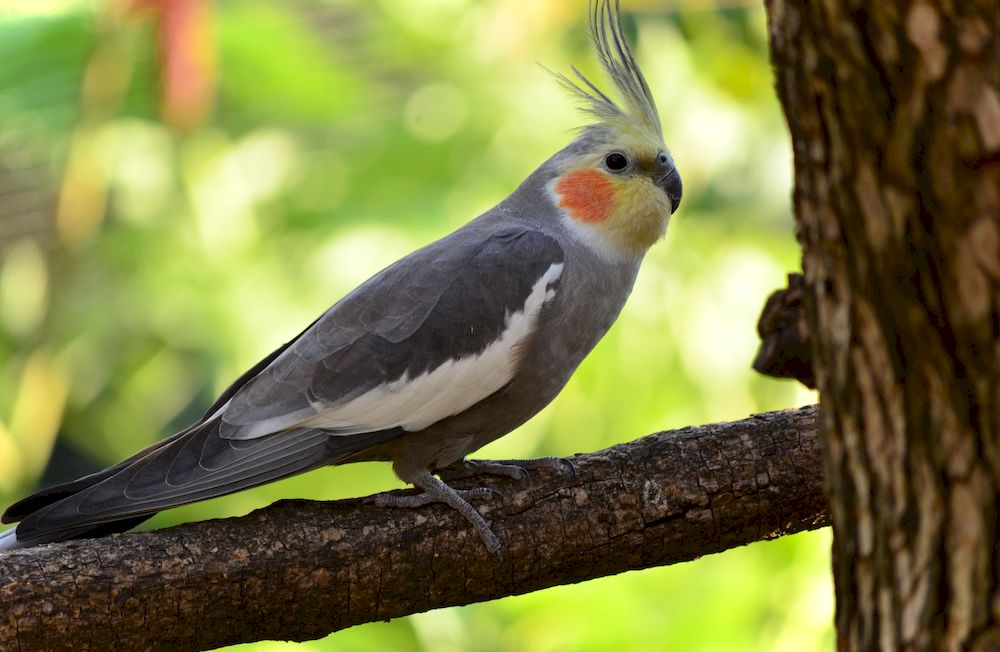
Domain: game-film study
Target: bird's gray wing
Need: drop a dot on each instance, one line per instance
(425, 339)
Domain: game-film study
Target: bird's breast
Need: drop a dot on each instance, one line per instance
(587, 301)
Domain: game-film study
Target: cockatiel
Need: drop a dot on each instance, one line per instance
(435, 356)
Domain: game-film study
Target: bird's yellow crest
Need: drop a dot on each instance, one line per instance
(637, 116)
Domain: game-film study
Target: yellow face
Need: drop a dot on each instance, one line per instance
(613, 193)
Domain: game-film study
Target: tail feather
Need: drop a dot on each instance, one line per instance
(193, 465)
(9, 541)
(36, 501)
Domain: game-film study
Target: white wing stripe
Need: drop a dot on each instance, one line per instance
(456, 385)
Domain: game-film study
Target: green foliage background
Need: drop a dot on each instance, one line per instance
(346, 134)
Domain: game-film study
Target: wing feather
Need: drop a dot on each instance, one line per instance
(449, 316)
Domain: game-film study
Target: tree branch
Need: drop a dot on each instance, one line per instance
(299, 570)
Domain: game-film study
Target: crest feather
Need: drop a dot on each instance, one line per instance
(611, 46)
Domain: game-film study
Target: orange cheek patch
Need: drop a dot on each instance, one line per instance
(586, 194)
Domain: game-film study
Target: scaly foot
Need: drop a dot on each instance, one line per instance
(516, 469)
(436, 491)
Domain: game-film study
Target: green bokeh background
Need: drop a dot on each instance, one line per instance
(143, 267)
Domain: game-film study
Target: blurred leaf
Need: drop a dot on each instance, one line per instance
(38, 410)
(273, 66)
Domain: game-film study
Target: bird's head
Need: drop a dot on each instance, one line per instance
(616, 184)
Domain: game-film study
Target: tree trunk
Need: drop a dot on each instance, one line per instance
(894, 112)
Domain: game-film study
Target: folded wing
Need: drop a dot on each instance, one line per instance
(427, 339)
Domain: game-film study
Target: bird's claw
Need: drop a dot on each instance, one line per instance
(388, 499)
(470, 468)
(481, 491)
(436, 491)
(567, 465)
(551, 463)
(515, 469)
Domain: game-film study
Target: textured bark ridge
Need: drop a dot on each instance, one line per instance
(894, 109)
(785, 341)
(299, 570)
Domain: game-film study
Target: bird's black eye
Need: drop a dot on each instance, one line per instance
(616, 161)
(662, 158)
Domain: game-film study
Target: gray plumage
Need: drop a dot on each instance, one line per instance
(433, 357)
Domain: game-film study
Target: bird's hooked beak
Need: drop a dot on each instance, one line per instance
(669, 180)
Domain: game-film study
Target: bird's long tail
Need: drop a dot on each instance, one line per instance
(193, 465)
(8, 540)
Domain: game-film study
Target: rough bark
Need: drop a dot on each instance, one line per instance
(894, 110)
(299, 570)
(785, 341)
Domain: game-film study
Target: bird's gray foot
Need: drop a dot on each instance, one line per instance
(516, 469)
(550, 463)
(469, 468)
(436, 491)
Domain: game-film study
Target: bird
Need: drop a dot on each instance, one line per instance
(447, 349)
